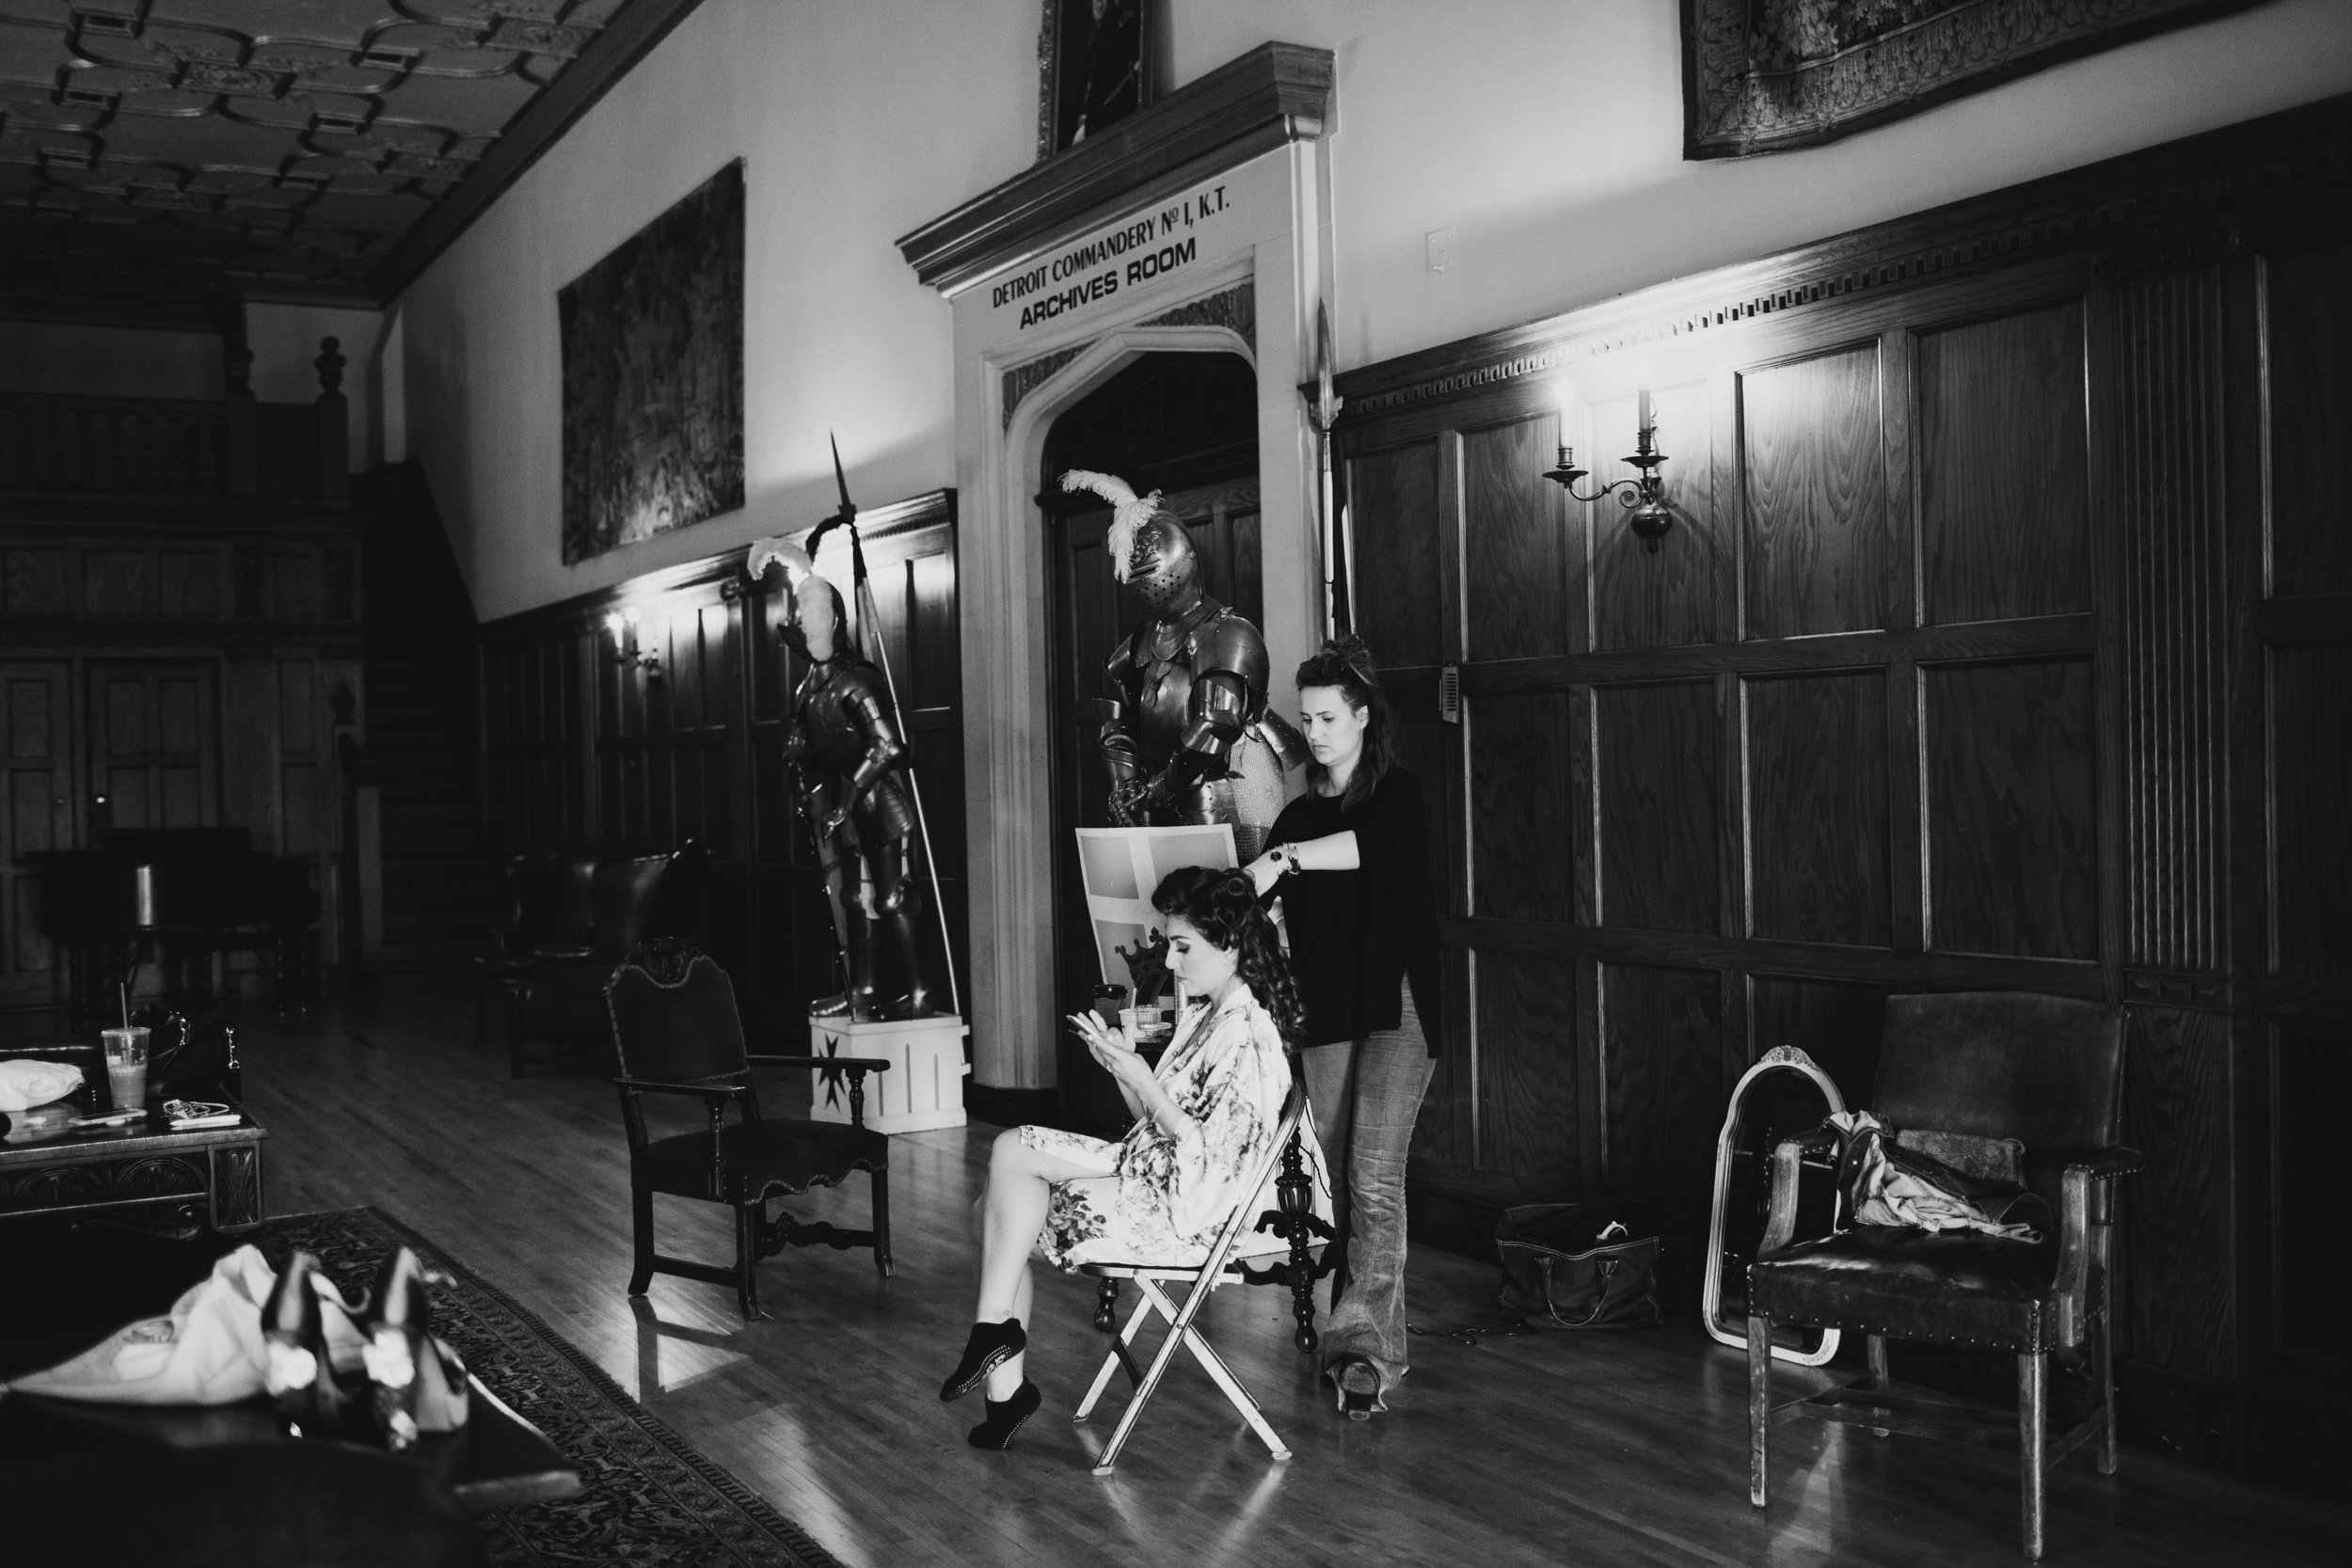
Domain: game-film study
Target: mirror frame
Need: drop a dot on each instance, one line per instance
(1781, 1058)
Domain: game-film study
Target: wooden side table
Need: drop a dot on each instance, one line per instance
(214, 1173)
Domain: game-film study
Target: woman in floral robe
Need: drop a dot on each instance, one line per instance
(1206, 1120)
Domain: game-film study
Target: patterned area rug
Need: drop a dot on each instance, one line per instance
(649, 1498)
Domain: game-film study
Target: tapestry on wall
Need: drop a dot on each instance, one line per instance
(653, 376)
(1766, 75)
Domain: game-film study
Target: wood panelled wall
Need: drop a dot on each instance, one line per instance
(2003, 640)
(582, 748)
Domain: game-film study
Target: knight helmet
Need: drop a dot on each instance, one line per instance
(1150, 548)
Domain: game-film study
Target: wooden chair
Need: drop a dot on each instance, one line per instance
(676, 1032)
(1222, 1266)
(2042, 1069)
(560, 994)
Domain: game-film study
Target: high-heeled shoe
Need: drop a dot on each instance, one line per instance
(298, 1370)
(1006, 1417)
(1357, 1382)
(990, 1346)
(418, 1383)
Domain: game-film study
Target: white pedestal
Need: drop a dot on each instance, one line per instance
(924, 1088)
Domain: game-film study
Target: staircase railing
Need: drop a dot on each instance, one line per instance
(296, 453)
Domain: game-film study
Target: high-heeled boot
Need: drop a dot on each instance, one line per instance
(299, 1371)
(418, 1382)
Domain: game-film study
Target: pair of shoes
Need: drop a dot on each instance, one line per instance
(1006, 1417)
(338, 1371)
(420, 1383)
(1357, 1382)
(990, 1346)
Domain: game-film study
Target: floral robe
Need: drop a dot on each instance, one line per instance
(1162, 1201)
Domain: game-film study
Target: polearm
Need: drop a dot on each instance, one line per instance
(1337, 614)
(862, 590)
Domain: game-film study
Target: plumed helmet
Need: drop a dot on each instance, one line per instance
(1151, 550)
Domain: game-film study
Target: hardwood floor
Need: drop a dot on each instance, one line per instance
(1540, 1449)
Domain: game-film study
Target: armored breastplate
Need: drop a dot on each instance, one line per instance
(1156, 670)
(831, 720)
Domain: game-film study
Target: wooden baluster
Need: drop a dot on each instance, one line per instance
(334, 424)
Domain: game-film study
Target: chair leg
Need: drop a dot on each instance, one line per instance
(1111, 1362)
(1179, 1319)
(747, 1257)
(1880, 1379)
(2033, 1387)
(1106, 1305)
(882, 1223)
(1759, 1402)
(641, 1227)
(1223, 1377)
(2106, 1353)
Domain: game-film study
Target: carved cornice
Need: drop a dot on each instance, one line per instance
(585, 611)
(1277, 93)
(2144, 213)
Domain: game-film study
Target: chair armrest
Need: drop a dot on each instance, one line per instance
(2108, 1164)
(654, 1085)
(2083, 1223)
(1788, 1166)
(855, 1064)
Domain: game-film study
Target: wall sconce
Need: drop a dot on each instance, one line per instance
(628, 649)
(1643, 496)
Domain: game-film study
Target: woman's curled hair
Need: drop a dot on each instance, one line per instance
(1345, 665)
(1223, 907)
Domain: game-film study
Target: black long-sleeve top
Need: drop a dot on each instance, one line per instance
(1355, 934)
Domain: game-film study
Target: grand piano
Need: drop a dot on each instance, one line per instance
(176, 896)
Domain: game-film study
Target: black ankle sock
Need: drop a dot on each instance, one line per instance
(990, 1346)
(1006, 1417)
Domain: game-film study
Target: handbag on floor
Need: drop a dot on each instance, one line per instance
(1592, 1263)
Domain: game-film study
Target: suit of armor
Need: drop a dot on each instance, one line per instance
(844, 744)
(1189, 737)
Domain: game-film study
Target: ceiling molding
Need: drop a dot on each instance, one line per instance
(628, 38)
(1277, 93)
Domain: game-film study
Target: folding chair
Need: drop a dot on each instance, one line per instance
(1220, 1267)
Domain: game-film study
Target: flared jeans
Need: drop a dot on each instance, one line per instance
(1366, 1096)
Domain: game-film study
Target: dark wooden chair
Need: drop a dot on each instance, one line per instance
(559, 994)
(549, 914)
(677, 1033)
(2044, 1071)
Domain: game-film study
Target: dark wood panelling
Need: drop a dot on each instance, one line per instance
(1838, 1026)
(1515, 540)
(1815, 750)
(1527, 1070)
(2180, 1308)
(2309, 306)
(1656, 761)
(2310, 778)
(2012, 800)
(1641, 600)
(2004, 488)
(1813, 452)
(1393, 515)
(1522, 827)
(35, 813)
(2166, 483)
(1663, 1063)
(2313, 1078)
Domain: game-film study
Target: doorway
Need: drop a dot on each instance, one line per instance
(1186, 424)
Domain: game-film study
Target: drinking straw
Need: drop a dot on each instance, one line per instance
(122, 996)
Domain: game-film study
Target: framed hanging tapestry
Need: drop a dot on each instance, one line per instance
(653, 376)
(1766, 75)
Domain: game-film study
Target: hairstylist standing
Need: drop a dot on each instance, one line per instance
(1350, 859)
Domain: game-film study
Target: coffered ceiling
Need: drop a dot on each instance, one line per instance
(161, 158)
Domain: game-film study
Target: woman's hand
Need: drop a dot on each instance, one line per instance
(1267, 869)
(1130, 1069)
(1101, 1036)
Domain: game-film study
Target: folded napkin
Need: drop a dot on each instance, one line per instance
(24, 1083)
(208, 1351)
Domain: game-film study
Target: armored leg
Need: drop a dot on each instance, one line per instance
(893, 867)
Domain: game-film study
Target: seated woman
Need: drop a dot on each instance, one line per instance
(1205, 1120)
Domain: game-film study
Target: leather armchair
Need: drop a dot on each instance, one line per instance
(2046, 1071)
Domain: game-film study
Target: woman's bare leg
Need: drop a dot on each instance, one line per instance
(1009, 1217)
